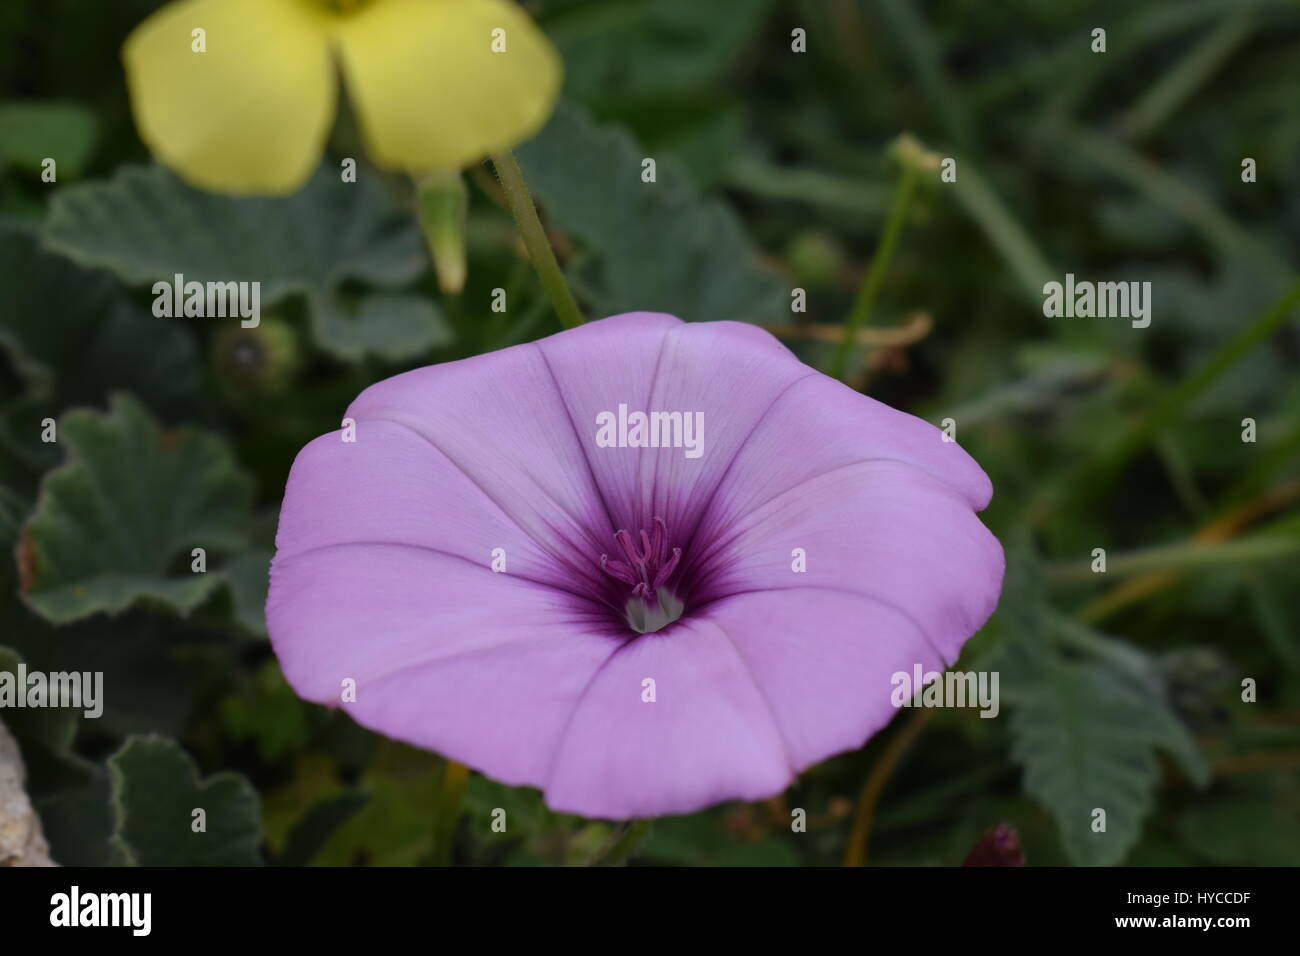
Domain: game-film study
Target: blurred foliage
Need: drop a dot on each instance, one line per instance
(773, 169)
(145, 225)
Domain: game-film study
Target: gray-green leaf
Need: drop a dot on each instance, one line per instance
(119, 520)
(33, 131)
(156, 790)
(1087, 718)
(1087, 734)
(72, 336)
(146, 225)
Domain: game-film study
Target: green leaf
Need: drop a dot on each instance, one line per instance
(270, 714)
(156, 789)
(652, 47)
(392, 327)
(1096, 474)
(71, 336)
(654, 246)
(31, 132)
(533, 834)
(46, 734)
(52, 728)
(248, 575)
(146, 225)
(702, 839)
(146, 685)
(119, 520)
(78, 821)
(1085, 728)
(13, 508)
(1244, 829)
(525, 810)
(313, 831)
(395, 826)
(1086, 735)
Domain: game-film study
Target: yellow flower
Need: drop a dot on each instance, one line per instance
(436, 84)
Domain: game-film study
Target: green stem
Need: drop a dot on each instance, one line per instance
(454, 778)
(1009, 238)
(855, 849)
(535, 241)
(1233, 242)
(861, 312)
(828, 190)
(1162, 99)
(1183, 557)
(1092, 477)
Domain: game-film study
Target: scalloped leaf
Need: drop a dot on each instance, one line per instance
(146, 225)
(117, 522)
(156, 790)
(71, 336)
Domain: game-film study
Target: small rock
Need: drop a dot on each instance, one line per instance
(21, 841)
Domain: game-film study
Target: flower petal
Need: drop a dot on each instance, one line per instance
(728, 373)
(481, 667)
(879, 528)
(823, 663)
(382, 572)
(430, 91)
(249, 115)
(898, 572)
(822, 424)
(391, 486)
(501, 419)
(707, 737)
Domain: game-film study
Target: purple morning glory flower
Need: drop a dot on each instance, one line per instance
(643, 565)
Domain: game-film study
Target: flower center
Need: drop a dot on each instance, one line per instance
(651, 606)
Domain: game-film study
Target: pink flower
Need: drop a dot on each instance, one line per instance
(674, 626)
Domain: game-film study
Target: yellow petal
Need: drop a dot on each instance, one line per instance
(430, 92)
(249, 115)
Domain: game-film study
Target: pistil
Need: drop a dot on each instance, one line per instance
(646, 570)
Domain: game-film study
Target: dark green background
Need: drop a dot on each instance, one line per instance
(775, 170)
